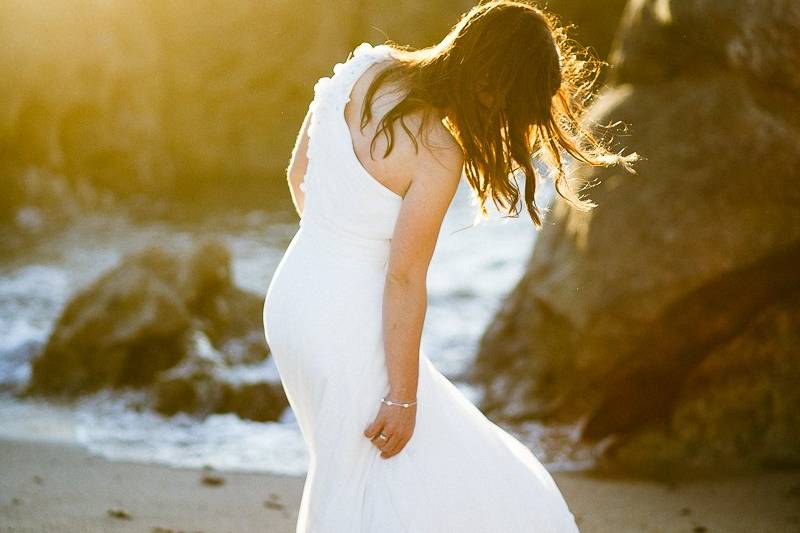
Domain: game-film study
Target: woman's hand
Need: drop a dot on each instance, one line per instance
(397, 423)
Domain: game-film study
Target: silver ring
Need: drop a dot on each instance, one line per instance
(382, 436)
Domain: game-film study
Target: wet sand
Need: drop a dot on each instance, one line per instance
(55, 487)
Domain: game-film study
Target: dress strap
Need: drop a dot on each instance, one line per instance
(346, 73)
(331, 94)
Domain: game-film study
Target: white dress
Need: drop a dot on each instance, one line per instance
(460, 472)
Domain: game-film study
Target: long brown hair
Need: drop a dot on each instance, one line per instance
(540, 82)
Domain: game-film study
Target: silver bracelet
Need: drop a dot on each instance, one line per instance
(401, 404)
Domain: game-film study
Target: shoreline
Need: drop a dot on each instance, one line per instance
(55, 486)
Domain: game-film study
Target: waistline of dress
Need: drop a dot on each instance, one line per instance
(344, 244)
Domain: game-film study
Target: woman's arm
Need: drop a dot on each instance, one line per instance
(435, 180)
(405, 291)
(298, 166)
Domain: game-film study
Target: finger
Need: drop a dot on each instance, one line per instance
(374, 428)
(386, 454)
(392, 446)
(379, 441)
(401, 444)
(388, 443)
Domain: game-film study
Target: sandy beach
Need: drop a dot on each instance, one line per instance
(55, 487)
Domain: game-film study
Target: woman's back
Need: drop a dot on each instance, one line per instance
(341, 195)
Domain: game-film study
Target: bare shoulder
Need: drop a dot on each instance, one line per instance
(435, 166)
(437, 157)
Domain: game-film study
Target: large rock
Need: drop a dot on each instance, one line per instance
(143, 317)
(666, 319)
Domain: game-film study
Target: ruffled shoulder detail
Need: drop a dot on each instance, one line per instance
(331, 93)
(363, 53)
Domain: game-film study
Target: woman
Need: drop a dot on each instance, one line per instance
(393, 445)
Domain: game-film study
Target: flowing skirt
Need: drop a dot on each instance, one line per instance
(460, 472)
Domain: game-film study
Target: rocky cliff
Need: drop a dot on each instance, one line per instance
(665, 321)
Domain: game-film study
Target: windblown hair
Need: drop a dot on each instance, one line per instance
(540, 84)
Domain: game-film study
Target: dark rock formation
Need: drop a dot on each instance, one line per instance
(122, 330)
(645, 388)
(204, 384)
(667, 317)
(158, 311)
